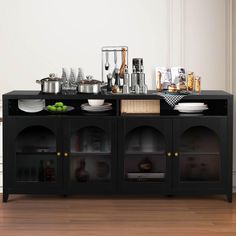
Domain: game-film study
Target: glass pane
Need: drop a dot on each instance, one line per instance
(145, 169)
(36, 139)
(199, 139)
(90, 169)
(145, 140)
(200, 168)
(90, 140)
(29, 169)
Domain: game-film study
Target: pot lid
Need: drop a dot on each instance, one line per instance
(52, 77)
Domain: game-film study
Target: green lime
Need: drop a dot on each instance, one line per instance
(64, 108)
(59, 109)
(59, 104)
(52, 108)
(49, 107)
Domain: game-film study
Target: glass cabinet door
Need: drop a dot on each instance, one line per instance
(199, 150)
(145, 144)
(35, 152)
(90, 149)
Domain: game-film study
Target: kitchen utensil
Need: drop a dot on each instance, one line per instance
(137, 89)
(107, 65)
(90, 86)
(142, 86)
(126, 76)
(96, 102)
(52, 84)
(115, 62)
(109, 82)
(125, 89)
(123, 59)
(117, 77)
(134, 79)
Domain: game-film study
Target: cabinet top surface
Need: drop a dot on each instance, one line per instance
(220, 94)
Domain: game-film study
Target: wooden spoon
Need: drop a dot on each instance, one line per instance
(122, 68)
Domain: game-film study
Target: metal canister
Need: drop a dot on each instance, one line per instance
(134, 80)
(126, 81)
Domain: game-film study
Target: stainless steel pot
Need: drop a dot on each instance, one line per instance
(50, 84)
(90, 86)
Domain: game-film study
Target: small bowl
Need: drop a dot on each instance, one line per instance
(96, 102)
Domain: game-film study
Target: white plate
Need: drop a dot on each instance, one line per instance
(32, 105)
(190, 108)
(190, 111)
(30, 110)
(108, 109)
(98, 107)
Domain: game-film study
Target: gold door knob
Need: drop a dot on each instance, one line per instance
(58, 154)
(176, 154)
(66, 154)
(169, 154)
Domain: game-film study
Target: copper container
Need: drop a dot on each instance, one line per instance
(190, 81)
(197, 84)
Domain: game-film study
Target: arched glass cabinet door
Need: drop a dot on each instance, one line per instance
(90, 139)
(145, 144)
(91, 156)
(34, 155)
(199, 150)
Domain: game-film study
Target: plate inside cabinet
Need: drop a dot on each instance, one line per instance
(69, 108)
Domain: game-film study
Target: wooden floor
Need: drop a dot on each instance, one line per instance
(52, 215)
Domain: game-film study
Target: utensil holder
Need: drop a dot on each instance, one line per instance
(110, 50)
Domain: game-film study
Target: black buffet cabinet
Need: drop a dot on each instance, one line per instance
(113, 153)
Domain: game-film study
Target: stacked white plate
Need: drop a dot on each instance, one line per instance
(191, 107)
(105, 107)
(31, 105)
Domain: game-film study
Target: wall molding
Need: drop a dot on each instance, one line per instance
(229, 45)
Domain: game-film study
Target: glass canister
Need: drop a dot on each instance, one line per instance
(190, 81)
(197, 84)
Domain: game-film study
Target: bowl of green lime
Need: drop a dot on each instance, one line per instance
(58, 107)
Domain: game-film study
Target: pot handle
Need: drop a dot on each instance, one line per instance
(38, 81)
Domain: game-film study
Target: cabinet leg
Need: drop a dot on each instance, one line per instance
(5, 197)
(230, 197)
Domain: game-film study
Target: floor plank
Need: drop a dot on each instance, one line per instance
(90, 216)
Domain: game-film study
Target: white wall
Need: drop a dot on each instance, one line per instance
(38, 37)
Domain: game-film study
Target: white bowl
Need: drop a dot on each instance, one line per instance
(191, 104)
(96, 102)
